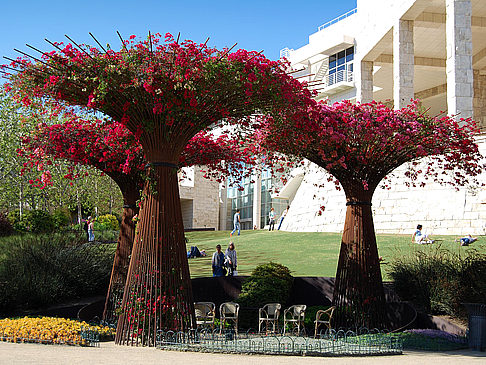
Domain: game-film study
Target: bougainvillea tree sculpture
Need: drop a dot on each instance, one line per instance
(112, 149)
(164, 93)
(359, 145)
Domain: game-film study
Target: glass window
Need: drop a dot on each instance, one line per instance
(349, 54)
(341, 58)
(332, 61)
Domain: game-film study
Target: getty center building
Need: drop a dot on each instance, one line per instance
(390, 51)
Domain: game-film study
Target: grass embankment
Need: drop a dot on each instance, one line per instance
(306, 254)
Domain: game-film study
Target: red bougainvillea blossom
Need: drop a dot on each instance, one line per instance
(359, 145)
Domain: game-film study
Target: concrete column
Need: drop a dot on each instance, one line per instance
(403, 62)
(459, 58)
(257, 199)
(365, 83)
(223, 206)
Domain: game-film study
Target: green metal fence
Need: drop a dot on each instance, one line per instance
(362, 342)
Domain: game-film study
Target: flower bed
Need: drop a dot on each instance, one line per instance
(50, 330)
(432, 340)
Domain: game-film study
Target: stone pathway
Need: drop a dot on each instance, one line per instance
(109, 353)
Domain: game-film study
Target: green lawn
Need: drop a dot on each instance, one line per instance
(306, 254)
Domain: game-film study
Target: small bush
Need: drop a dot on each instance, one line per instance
(440, 281)
(268, 283)
(14, 218)
(109, 221)
(61, 218)
(6, 228)
(38, 221)
(39, 270)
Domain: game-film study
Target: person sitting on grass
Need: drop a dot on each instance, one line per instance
(421, 238)
(467, 240)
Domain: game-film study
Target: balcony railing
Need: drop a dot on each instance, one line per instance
(285, 53)
(337, 77)
(338, 19)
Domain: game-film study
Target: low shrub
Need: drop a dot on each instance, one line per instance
(6, 228)
(268, 283)
(39, 270)
(61, 218)
(440, 281)
(37, 221)
(109, 221)
(14, 218)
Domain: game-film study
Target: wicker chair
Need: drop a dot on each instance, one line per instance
(294, 316)
(228, 312)
(269, 315)
(205, 314)
(327, 314)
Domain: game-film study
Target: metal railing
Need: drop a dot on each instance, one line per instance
(330, 343)
(285, 52)
(338, 19)
(338, 76)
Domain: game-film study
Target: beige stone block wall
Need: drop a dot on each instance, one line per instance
(440, 209)
(200, 201)
(479, 101)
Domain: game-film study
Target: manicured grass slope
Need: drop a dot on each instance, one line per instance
(306, 254)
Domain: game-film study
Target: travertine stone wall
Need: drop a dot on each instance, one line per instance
(205, 202)
(365, 83)
(440, 209)
(459, 58)
(403, 62)
(479, 101)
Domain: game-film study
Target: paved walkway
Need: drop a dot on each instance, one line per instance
(109, 353)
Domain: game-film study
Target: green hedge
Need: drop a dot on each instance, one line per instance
(39, 270)
(440, 281)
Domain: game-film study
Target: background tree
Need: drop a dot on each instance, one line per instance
(164, 94)
(360, 144)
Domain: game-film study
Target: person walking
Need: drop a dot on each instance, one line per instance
(282, 217)
(271, 219)
(217, 262)
(236, 223)
(91, 236)
(230, 259)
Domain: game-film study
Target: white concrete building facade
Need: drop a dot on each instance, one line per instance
(393, 51)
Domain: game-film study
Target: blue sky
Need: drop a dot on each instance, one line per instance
(255, 25)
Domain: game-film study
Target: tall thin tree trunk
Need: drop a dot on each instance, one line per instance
(123, 251)
(78, 201)
(158, 293)
(21, 199)
(358, 290)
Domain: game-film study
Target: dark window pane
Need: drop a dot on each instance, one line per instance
(349, 57)
(332, 64)
(331, 71)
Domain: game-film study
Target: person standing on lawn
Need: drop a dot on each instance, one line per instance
(230, 259)
(217, 262)
(236, 223)
(271, 219)
(282, 217)
(91, 236)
